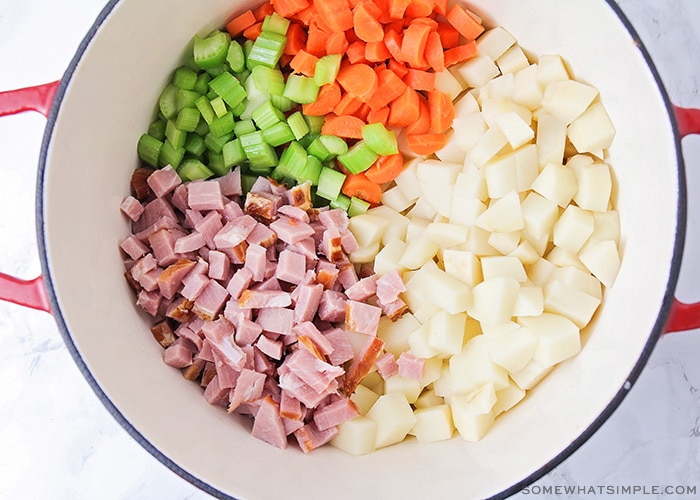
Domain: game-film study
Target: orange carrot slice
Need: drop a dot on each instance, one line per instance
(328, 98)
(358, 79)
(385, 169)
(345, 126)
(426, 144)
(238, 24)
(360, 186)
(467, 25)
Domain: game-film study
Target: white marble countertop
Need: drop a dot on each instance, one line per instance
(59, 442)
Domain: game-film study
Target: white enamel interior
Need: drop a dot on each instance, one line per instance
(109, 101)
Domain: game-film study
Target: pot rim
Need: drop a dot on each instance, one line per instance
(614, 403)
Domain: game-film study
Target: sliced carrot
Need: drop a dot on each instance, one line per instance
(449, 36)
(432, 23)
(316, 39)
(288, 8)
(467, 25)
(405, 109)
(337, 43)
(397, 8)
(422, 124)
(379, 115)
(441, 7)
(304, 63)
(392, 42)
(348, 105)
(415, 37)
(252, 32)
(335, 14)
(328, 98)
(389, 87)
(442, 111)
(419, 80)
(345, 126)
(434, 53)
(385, 169)
(263, 11)
(356, 52)
(304, 16)
(360, 186)
(363, 111)
(460, 53)
(358, 79)
(376, 52)
(426, 144)
(296, 39)
(367, 27)
(384, 14)
(285, 59)
(238, 24)
(397, 68)
(420, 8)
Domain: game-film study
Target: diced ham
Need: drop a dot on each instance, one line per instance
(231, 183)
(257, 299)
(214, 394)
(261, 185)
(387, 365)
(219, 335)
(139, 183)
(348, 241)
(249, 387)
(302, 391)
(299, 196)
(205, 195)
(308, 330)
(177, 355)
(411, 366)
(193, 284)
(334, 218)
(189, 243)
(290, 407)
(239, 282)
(149, 280)
(390, 286)
(315, 372)
(149, 301)
(332, 306)
(362, 364)
(179, 198)
(145, 264)
(234, 232)
(347, 276)
(269, 347)
(163, 334)
(361, 317)
(163, 181)
(342, 348)
(247, 332)
(194, 217)
(308, 299)
(231, 211)
(163, 244)
(291, 231)
(235, 314)
(219, 265)
(291, 267)
(170, 279)
(363, 289)
(209, 303)
(262, 206)
(277, 320)
(193, 371)
(261, 235)
(295, 213)
(186, 332)
(326, 274)
(394, 309)
(267, 424)
(331, 245)
(180, 309)
(153, 211)
(256, 261)
(134, 247)
(132, 208)
(335, 413)
(310, 437)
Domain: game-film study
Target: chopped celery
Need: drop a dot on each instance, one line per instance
(195, 145)
(247, 182)
(187, 119)
(243, 127)
(319, 150)
(167, 102)
(202, 85)
(216, 164)
(330, 182)
(300, 89)
(191, 169)
(148, 149)
(211, 51)
(228, 88)
(216, 142)
(217, 70)
(357, 206)
(157, 130)
(358, 158)
(235, 57)
(291, 162)
(282, 103)
(266, 50)
(311, 171)
(335, 145)
(298, 125)
(238, 110)
(315, 123)
(379, 139)
(270, 80)
(186, 98)
(202, 128)
(233, 153)
(308, 139)
(256, 96)
(219, 106)
(341, 201)
(266, 115)
(260, 154)
(222, 125)
(175, 135)
(205, 109)
(170, 155)
(278, 134)
(185, 78)
(326, 69)
(275, 23)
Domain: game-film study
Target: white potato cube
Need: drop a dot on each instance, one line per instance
(507, 398)
(540, 272)
(530, 301)
(593, 130)
(602, 259)
(501, 175)
(578, 279)
(502, 86)
(493, 301)
(551, 68)
(452, 151)
(526, 167)
(409, 387)
(394, 418)
(558, 338)
(470, 183)
(419, 341)
(446, 234)
(407, 181)
(415, 228)
(418, 251)
(539, 214)
(493, 107)
(364, 255)
(466, 104)
(478, 242)
(388, 258)
(395, 333)
(428, 398)
(433, 424)
(425, 311)
(525, 252)
(573, 228)
(367, 228)
(540, 245)
(357, 436)
(515, 129)
(568, 301)
(512, 60)
(395, 198)
(432, 369)
(495, 42)
(513, 349)
(531, 375)
(469, 128)
(446, 332)
(446, 82)
(503, 215)
(465, 210)
(422, 209)
(594, 187)
(364, 398)
(568, 99)
(463, 265)
(487, 146)
(561, 257)
(503, 266)
(607, 227)
(504, 242)
(437, 179)
(396, 229)
(473, 367)
(551, 139)
(477, 71)
(473, 414)
(446, 291)
(374, 382)
(557, 183)
(528, 91)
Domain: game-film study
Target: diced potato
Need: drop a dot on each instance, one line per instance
(558, 337)
(398, 223)
(446, 332)
(364, 398)
(468, 128)
(512, 60)
(416, 226)
(573, 228)
(594, 187)
(465, 210)
(502, 86)
(473, 367)
(539, 214)
(437, 179)
(489, 144)
(540, 272)
(493, 301)
(530, 301)
(503, 266)
(446, 234)
(504, 243)
(407, 181)
(388, 258)
(446, 291)
(603, 260)
(503, 215)
(446, 82)
(466, 105)
(473, 414)
(525, 252)
(394, 418)
(592, 131)
(374, 382)
(495, 42)
(526, 167)
(557, 183)
(357, 436)
(478, 242)
(578, 279)
(568, 301)
(551, 68)
(515, 129)
(477, 71)
(419, 341)
(513, 349)
(395, 333)
(396, 199)
(463, 265)
(433, 423)
(528, 91)
(568, 99)
(452, 151)
(551, 139)
(531, 375)
(409, 387)
(431, 371)
(607, 227)
(367, 228)
(418, 251)
(493, 107)
(562, 258)
(501, 175)
(507, 398)
(428, 398)
(539, 245)
(443, 386)
(422, 209)
(425, 311)
(364, 255)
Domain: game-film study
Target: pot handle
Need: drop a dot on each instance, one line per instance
(29, 293)
(684, 316)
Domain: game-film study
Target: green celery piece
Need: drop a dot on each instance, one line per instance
(357, 206)
(191, 169)
(148, 149)
(235, 57)
(186, 99)
(300, 89)
(334, 144)
(319, 150)
(202, 128)
(233, 153)
(228, 88)
(202, 85)
(298, 125)
(242, 127)
(278, 134)
(238, 110)
(256, 96)
(291, 161)
(205, 109)
(195, 145)
(222, 125)
(157, 130)
(270, 80)
(341, 201)
(379, 139)
(308, 139)
(326, 69)
(260, 154)
(266, 50)
(218, 69)
(247, 182)
(185, 78)
(217, 165)
(187, 119)
(216, 142)
(315, 123)
(311, 171)
(170, 155)
(266, 115)
(282, 103)
(358, 158)
(330, 182)
(211, 51)
(275, 23)
(167, 102)
(219, 106)
(175, 135)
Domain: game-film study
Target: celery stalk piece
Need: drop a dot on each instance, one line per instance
(233, 153)
(238, 110)
(315, 123)
(275, 23)
(266, 50)
(247, 182)
(202, 85)
(157, 130)
(256, 96)
(341, 201)
(187, 119)
(330, 182)
(211, 51)
(326, 69)
(216, 142)
(379, 139)
(202, 128)
(222, 125)
(357, 206)
(270, 80)
(311, 171)
(219, 106)
(216, 164)
(186, 99)
(185, 78)
(282, 103)
(334, 144)
(167, 102)
(218, 69)
(260, 154)
(205, 109)
(278, 134)
(235, 57)
(298, 125)
(358, 158)
(266, 115)
(174, 135)
(148, 149)
(228, 88)
(300, 89)
(191, 169)
(195, 145)
(319, 150)
(244, 127)
(291, 162)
